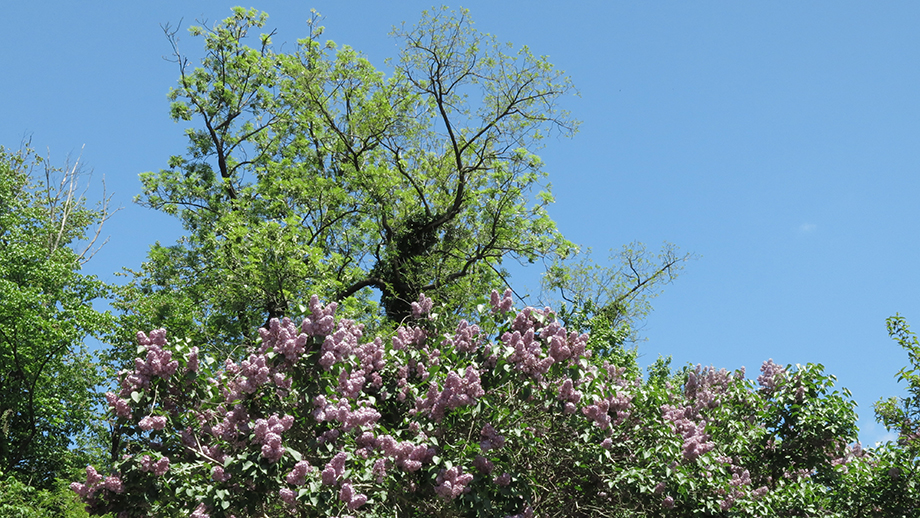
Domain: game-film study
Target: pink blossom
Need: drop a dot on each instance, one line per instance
(380, 469)
(152, 422)
(218, 474)
(452, 482)
(286, 495)
(200, 512)
(422, 307)
(321, 321)
(298, 475)
(352, 500)
(122, 408)
(501, 304)
(113, 484)
(334, 469)
(191, 360)
(483, 464)
(161, 466)
(770, 374)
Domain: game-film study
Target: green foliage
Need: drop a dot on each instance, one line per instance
(903, 414)
(618, 296)
(309, 171)
(48, 378)
(18, 500)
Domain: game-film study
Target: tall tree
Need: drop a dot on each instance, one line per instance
(313, 172)
(47, 377)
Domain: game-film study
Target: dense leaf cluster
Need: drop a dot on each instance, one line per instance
(47, 378)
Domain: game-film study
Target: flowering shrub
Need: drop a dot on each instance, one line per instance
(512, 415)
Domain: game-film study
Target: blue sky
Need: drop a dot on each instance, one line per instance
(776, 140)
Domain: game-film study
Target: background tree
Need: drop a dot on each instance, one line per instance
(47, 377)
(311, 171)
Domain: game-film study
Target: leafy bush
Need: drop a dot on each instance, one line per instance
(511, 415)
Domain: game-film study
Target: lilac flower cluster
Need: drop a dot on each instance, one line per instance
(158, 468)
(352, 499)
(249, 375)
(121, 407)
(696, 440)
(422, 307)
(281, 337)
(738, 482)
(321, 321)
(152, 422)
(406, 454)
(501, 304)
(490, 439)
(298, 475)
(452, 483)
(340, 344)
(771, 373)
(563, 345)
(526, 342)
(457, 392)
(268, 433)
(191, 360)
(234, 423)
(406, 336)
(94, 483)
(334, 469)
(484, 465)
(341, 411)
(465, 338)
(569, 395)
(599, 410)
(528, 354)
(705, 386)
(157, 363)
(332, 474)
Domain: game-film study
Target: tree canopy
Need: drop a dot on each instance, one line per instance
(48, 378)
(313, 171)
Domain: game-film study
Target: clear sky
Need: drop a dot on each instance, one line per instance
(777, 140)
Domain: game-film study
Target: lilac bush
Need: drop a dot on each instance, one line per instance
(512, 415)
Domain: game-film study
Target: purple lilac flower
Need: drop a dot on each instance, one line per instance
(465, 338)
(200, 512)
(152, 422)
(352, 500)
(501, 304)
(287, 496)
(334, 469)
(457, 392)
(422, 307)
(121, 407)
(770, 374)
(490, 439)
(298, 475)
(218, 474)
(452, 482)
(321, 321)
(484, 465)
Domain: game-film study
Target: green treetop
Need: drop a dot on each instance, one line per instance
(311, 172)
